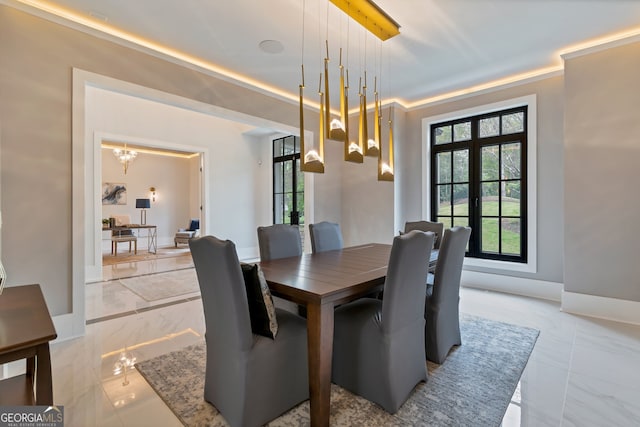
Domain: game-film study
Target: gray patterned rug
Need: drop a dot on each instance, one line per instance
(472, 387)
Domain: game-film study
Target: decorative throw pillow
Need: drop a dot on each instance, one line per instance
(261, 309)
(194, 225)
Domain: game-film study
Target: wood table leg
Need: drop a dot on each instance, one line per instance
(320, 348)
(31, 367)
(44, 384)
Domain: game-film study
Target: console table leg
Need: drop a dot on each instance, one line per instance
(44, 384)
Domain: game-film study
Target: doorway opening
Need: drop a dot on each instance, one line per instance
(160, 193)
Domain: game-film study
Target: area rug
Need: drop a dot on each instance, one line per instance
(154, 287)
(473, 387)
(143, 255)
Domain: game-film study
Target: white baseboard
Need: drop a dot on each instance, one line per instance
(586, 305)
(601, 307)
(68, 326)
(512, 285)
(162, 241)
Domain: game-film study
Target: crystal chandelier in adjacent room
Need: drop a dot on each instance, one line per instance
(125, 156)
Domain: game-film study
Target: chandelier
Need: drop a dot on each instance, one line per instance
(367, 143)
(125, 156)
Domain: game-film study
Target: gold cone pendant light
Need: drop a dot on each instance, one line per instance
(352, 149)
(372, 147)
(312, 160)
(375, 20)
(385, 170)
(363, 131)
(327, 103)
(338, 128)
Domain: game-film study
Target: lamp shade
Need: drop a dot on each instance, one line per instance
(143, 203)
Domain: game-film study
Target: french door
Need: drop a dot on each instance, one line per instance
(479, 179)
(288, 182)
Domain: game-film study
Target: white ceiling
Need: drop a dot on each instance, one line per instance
(444, 46)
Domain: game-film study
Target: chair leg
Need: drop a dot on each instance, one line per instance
(135, 247)
(115, 248)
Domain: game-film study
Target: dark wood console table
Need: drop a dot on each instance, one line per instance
(25, 331)
(152, 234)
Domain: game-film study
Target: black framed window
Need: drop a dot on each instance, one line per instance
(288, 182)
(479, 179)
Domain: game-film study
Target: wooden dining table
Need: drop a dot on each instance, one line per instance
(320, 282)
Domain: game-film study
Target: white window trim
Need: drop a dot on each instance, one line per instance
(531, 266)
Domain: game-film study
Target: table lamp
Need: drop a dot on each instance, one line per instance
(143, 204)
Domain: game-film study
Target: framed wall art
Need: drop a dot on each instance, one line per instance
(114, 193)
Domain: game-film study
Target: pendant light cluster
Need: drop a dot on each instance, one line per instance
(381, 25)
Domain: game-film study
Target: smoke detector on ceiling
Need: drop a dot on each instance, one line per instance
(271, 46)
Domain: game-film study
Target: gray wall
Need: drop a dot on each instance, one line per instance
(367, 204)
(36, 62)
(602, 148)
(598, 177)
(549, 94)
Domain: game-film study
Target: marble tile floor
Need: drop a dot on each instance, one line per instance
(110, 298)
(582, 372)
(139, 268)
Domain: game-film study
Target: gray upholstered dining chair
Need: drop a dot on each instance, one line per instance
(279, 241)
(434, 227)
(442, 329)
(378, 346)
(325, 236)
(250, 379)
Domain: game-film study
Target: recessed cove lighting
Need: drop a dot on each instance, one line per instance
(271, 46)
